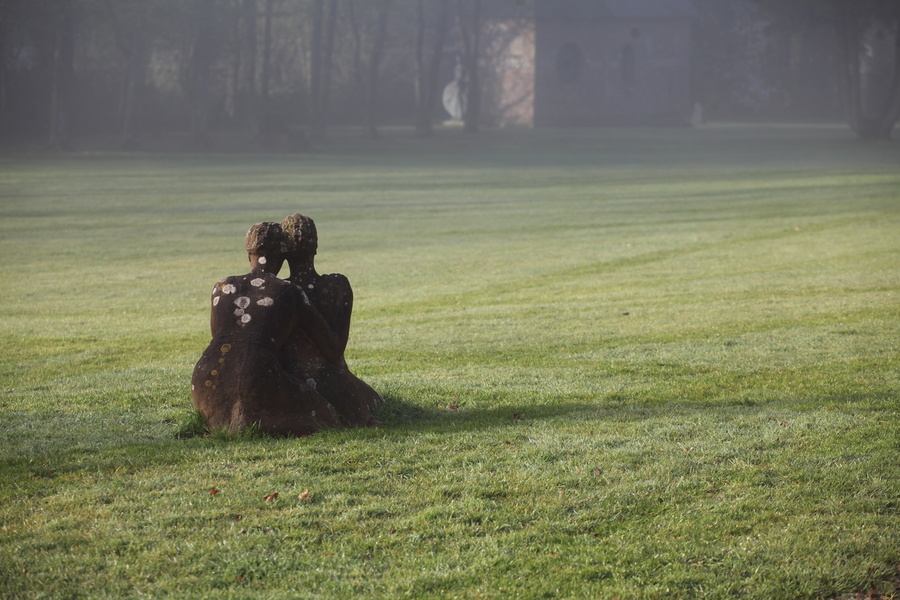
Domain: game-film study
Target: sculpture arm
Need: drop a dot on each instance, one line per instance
(342, 297)
(317, 329)
(213, 325)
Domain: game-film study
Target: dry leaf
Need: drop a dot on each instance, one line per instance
(213, 492)
(453, 407)
(304, 495)
(271, 496)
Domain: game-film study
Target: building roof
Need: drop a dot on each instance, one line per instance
(598, 9)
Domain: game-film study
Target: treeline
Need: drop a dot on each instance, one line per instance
(282, 69)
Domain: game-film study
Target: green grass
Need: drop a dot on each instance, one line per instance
(633, 363)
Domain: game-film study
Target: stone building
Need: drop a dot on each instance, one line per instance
(586, 62)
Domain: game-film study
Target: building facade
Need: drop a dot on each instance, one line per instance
(587, 62)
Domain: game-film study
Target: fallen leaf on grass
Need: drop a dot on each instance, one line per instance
(453, 407)
(304, 495)
(517, 416)
(271, 496)
(213, 492)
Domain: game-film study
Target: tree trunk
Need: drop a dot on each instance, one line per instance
(470, 29)
(327, 65)
(233, 93)
(428, 77)
(267, 57)
(891, 112)
(374, 71)
(358, 68)
(4, 119)
(324, 26)
(201, 64)
(315, 77)
(850, 27)
(137, 67)
(422, 130)
(249, 75)
(61, 83)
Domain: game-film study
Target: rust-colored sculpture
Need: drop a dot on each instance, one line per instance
(332, 296)
(239, 380)
(277, 354)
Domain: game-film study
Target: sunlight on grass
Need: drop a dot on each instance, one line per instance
(633, 363)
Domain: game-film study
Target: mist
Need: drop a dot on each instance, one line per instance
(283, 75)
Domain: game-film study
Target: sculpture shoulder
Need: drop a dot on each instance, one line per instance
(251, 282)
(336, 281)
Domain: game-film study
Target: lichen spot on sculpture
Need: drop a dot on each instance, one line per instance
(242, 302)
(229, 289)
(311, 383)
(245, 319)
(262, 260)
(257, 282)
(216, 301)
(225, 348)
(265, 301)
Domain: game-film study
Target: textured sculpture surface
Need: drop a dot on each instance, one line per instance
(276, 355)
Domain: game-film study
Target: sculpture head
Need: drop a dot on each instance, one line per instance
(300, 236)
(265, 242)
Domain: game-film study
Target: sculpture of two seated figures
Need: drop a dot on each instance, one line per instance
(276, 358)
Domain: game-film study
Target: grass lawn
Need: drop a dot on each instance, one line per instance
(618, 363)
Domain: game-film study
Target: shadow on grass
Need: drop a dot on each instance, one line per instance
(58, 460)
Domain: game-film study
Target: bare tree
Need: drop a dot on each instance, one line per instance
(200, 66)
(852, 26)
(325, 17)
(249, 21)
(853, 20)
(428, 68)
(267, 55)
(62, 76)
(130, 24)
(373, 69)
(469, 21)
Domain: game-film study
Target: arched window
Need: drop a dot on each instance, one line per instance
(569, 63)
(627, 63)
